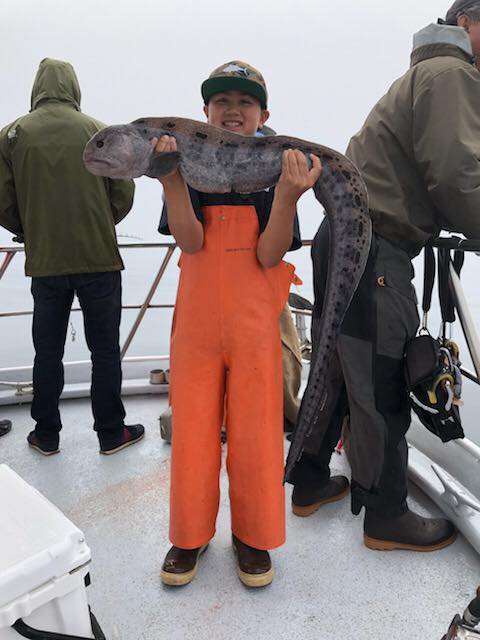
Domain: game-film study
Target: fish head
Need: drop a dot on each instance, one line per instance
(119, 151)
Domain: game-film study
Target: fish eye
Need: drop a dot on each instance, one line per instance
(100, 144)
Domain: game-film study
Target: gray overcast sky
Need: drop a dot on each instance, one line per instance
(325, 63)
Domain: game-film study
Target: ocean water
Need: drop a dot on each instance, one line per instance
(141, 267)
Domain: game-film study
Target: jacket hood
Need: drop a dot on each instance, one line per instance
(436, 34)
(56, 80)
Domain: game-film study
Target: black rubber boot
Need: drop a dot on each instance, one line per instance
(409, 531)
(306, 500)
(254, 566)
(180, 566)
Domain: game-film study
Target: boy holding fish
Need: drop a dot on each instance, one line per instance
(231, 264)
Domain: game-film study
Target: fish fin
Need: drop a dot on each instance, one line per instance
(161, 164)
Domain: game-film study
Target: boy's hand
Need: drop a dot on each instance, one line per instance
(296, 177)
(163, 145)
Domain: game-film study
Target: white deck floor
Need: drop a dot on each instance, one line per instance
(327, 584)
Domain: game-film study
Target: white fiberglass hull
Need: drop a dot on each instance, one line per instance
(449, 474)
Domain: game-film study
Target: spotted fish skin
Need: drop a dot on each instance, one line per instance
(350, 230)
(213, 160)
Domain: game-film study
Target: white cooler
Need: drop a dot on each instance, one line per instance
(44, 564)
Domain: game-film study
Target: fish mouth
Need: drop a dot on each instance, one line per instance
(96, 166)
(105, 169)
(89, 156)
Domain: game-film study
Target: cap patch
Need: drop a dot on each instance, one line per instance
(234, 68)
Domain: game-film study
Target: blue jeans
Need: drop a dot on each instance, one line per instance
(99, 295)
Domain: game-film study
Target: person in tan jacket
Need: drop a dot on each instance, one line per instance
(419, 154)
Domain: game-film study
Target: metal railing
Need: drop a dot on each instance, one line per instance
(457, 244)
(10, 252)
(452, 243)
(9, 255)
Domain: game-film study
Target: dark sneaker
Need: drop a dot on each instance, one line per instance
(408, 531)
(113, 442)
(5, 427)
(254, 565)
(42, 447)
(307, 501)
(180, 566)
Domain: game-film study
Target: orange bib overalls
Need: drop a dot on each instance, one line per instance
(226, 342)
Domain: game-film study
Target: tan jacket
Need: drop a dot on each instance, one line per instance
(419, 150)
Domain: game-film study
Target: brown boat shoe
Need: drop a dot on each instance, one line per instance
(306, 501)
(180, 566)
(409, 531)
(254, 565)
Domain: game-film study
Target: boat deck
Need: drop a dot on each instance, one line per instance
(327, 583)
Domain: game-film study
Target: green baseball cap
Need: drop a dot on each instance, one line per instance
(236, 76)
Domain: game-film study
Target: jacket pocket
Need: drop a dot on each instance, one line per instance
(400, 285)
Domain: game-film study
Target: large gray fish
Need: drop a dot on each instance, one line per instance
(213, 160)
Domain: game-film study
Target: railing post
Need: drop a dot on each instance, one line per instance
(9, 255)
(146, 304)
(301, 327)
(466, 320)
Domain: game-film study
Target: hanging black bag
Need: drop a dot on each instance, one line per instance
(432, 368)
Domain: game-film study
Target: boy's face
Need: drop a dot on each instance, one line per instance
(236, 111)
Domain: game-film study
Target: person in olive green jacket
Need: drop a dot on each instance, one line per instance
(419, 154)
(67, 218)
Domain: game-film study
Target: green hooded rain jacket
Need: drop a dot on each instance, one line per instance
(66, 215)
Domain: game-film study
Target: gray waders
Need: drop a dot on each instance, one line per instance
(366, 389)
